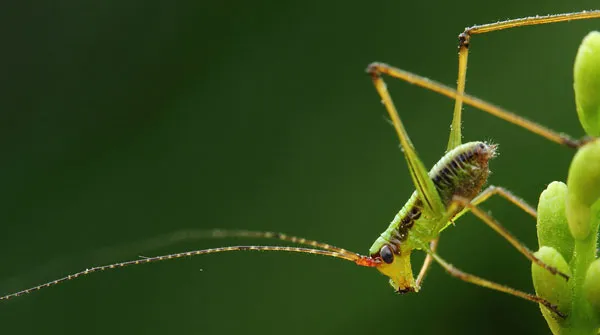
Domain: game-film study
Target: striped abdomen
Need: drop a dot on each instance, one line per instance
(462, 171)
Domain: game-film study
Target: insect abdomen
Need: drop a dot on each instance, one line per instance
(462, 171)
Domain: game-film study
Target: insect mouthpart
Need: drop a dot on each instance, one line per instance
(405, 290)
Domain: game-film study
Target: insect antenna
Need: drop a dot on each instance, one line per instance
(196, 234)
(223, 233)
(339, 253)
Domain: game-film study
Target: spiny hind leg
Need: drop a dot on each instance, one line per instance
(427, 262)
(504, 193)
(455, 272)
(463, 54)
(376, 69)
(497, 227)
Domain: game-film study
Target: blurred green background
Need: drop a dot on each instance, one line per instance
(122, 122)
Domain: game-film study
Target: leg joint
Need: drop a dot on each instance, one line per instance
(464, 39)
(374, 69)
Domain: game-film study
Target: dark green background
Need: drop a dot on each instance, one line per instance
(124, 121)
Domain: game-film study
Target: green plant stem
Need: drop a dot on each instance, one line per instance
(581, 320)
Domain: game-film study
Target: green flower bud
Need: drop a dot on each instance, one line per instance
(583, 186)
(552, 226)
(591, 286)
(587, 83)
(551, 287)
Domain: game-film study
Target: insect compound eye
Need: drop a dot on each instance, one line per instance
(387, 254)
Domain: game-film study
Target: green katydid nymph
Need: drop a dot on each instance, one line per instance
(453, 187)
(462, 172)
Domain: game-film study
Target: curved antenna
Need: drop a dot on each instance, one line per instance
(346, 255)
(195, 234)
(224, 233)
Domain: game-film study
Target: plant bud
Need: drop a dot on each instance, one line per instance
(552, 226)
(591, 286)
(551, 287)
(583, 186)
(587, 83)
